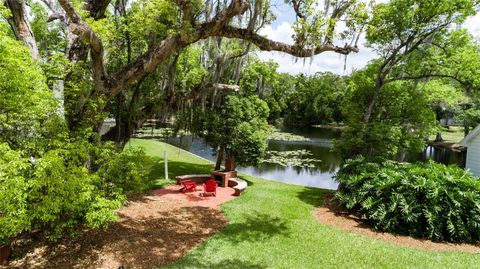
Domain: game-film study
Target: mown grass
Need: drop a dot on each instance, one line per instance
(453, 134)
(271, 226)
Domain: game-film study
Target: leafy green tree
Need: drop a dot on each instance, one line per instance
(238, 127)
(259, 78)
(444, 99)
(402, 32)
(28, 110)
(401, 29)
(262, 79)
(316, 99)
(469, 115)
(401, 122)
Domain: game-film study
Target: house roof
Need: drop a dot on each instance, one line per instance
(468, 139)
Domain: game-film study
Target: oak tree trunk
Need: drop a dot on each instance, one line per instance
(21, 26)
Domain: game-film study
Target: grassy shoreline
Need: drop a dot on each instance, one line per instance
(272, 226)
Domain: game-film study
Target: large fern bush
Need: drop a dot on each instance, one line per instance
(427, 200)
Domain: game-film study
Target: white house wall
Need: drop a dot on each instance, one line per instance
(473, 156)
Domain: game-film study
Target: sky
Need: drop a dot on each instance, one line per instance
(281, 30)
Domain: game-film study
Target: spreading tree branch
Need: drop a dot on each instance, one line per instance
(97, 8)
(88, 36)
(218, 26)
(266, 44)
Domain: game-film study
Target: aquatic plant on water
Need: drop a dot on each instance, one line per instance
(299, 158)
(161, 133)
(283, 136)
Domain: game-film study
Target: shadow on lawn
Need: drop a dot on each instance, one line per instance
(200, 263)
(312, 196)
(256, 227)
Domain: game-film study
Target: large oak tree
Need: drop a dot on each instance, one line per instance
(188, 22)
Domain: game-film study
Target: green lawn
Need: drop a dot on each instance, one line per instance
(271, 226)
(453, 134)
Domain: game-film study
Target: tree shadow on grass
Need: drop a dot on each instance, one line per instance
(201, 263)
(256, 227)
(312, 196)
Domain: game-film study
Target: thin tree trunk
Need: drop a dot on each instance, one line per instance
(220, 154)
(378, 87)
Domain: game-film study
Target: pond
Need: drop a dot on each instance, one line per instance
(317, 141)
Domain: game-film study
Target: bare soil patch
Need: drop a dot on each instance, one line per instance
(330, 214)
(153, 231)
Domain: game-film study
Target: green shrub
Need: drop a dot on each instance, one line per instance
(53, 193)
(427, 200)
(14, 217)
(129, 171)
(47, 172)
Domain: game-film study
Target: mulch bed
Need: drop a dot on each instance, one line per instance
(153, 231)
(333, 215)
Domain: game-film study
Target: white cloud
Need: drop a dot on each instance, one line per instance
(282, 32)
(328, 61)
(473, 25)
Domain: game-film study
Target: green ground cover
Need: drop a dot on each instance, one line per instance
(271, 226)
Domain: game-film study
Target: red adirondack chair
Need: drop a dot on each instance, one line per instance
(210, 187)
(188, 185)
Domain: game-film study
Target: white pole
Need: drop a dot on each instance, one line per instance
(165, 158)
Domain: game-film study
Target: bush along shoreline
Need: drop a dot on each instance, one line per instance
(423, 200)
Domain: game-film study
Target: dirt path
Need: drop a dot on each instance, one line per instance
(154, 230)
(331, 215)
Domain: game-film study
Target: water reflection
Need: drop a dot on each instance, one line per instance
(320, 176)
(319, 145)
(441, 155)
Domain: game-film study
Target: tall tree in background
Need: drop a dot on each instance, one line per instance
(400, 28)
(404, 33)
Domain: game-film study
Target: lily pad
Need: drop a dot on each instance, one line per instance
(298, 158)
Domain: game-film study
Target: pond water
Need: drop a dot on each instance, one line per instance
(319, 143)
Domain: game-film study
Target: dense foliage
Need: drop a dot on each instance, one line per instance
(49, 179)
(263, 79)
(27, 107)
(428, 200)
(239, 127)
(52, 193)
(400, 122)
(128, 171)
(316, 99)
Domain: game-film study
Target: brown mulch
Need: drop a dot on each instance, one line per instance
(153, 231)
(332, 215)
